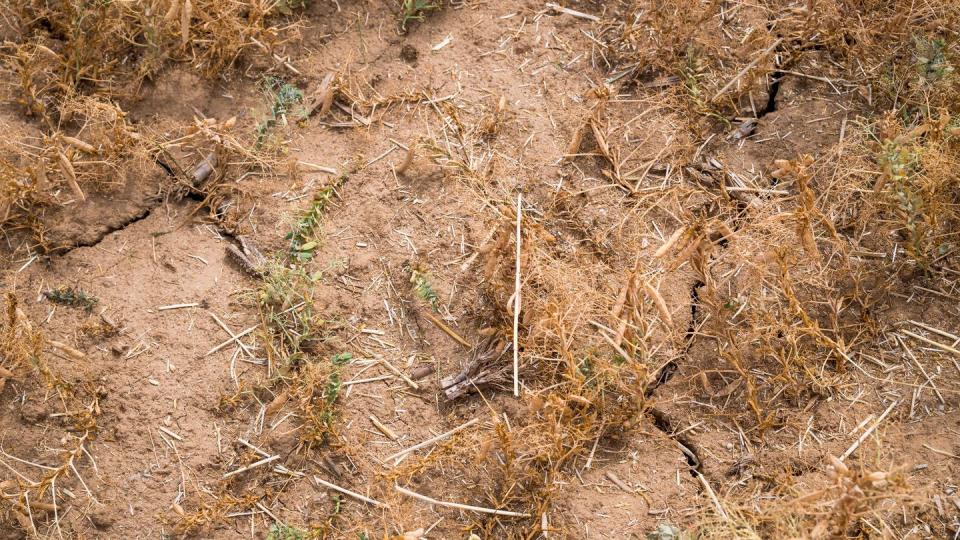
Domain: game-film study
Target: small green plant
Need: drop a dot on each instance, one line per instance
(288, 7)
(69, 296)
(415, 10)
(332, 392)
(303, 236)
(280, 531)
(286, 309)
(285, 99)
(423, 289)
(900, 163)
(691, 71)
(933, 62)
(321, 388)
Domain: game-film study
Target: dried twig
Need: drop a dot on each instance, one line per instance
(253, 465)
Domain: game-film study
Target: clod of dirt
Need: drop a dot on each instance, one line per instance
(32, 413)
(409, 54)
(87, 223)
(103, 518)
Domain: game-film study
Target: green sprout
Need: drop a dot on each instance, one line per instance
(69, 296)
(415, 10)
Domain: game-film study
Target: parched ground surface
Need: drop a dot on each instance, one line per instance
(171, 414)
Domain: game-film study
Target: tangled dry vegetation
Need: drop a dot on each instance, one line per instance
(73, 62)
(773, 286)
(875, 220)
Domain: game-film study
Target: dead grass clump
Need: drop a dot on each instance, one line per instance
(22, 344)
(851, 502)
(211, 158)
(110, 48)
(70, 61)
(37, 505)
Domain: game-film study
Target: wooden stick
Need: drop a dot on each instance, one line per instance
(662, 250)
(947, 335)
(432, 440)
(572, 12)
(748, 68)
(479, 509)
(345, 491)
(362, 381)
(612, 476)
(170, 433)
(68, 350)
(279, 468)
(871, 429)
(318, 168)
(400, 374)
(941, 452)
(447, 330)
(928, 341)
(713, 497)
(382, 427)
(516, 306)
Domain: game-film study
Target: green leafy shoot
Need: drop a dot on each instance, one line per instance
(932, 60)
(69, 296)
(332, 391)
(415, 10)
(285, 99)
(303, 236)
(288, 7)
(279, 531)
(423, 289)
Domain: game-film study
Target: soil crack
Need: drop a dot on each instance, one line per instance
(661, 420)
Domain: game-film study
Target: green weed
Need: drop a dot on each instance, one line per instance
(415, 10)
(285, 100)
(302, 238)
(933, 62)
(69, 296)
(286, 310)
(320, 390)
(423, 289)
(279, 531)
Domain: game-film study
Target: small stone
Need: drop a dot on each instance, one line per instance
(32, 413)
(409, 54)
(102, 519)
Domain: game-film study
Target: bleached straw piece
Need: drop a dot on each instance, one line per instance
(459, 506)
(516, 306)
(856, 444)
(177, 306)
(253, 465)
(346, 491)
(231, 340)
(432, 440)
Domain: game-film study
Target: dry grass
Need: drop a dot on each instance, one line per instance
(73, 61)
(766, 288)
(788, 324)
